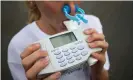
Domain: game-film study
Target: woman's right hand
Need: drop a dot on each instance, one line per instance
(34, 60)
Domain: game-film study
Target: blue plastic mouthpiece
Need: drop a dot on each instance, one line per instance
(77, 17)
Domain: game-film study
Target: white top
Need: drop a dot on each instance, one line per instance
(31, 33)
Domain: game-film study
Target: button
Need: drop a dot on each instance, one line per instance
(71, 61)
(69, 57)
(59, 56)
(63, 64)
(78, 58)
(73, 47)
(66, 53)
(74, 50)
(76, 54)
(61, 60)
(84, 53)
(57, 53)
(81, 47)
(65, 50)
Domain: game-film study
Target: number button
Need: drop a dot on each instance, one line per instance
(61, 60)
(71, 61)
(66, 53)
(57, 53)
(69, 57)
(73, 47)
(59, 56)
(76, 54)
(65, 50)
(63, 64)
(84, 53)
(81, 47)
(78, 58)
(74, 50)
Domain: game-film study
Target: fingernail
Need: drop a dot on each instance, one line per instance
(45, 60)
(37, 44)
(94, 54)
(58, 74)
(86, 31)
(90, 29)
(44, 51)
(89, 39)
(92, 45)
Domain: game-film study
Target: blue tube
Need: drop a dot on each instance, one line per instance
(82, 18)
(77, 17)
(70, 17)
(68, 9)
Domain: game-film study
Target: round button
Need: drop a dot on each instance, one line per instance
(84, 53)
(66, 53)
(73, 47)
(78, 58)
(74, 50)
(61, 60)
(59, 56)
(71, 61)
(81, 47)
(57, 53)
(69, 57)
(63, 64)
(64, 50)
(76, 54)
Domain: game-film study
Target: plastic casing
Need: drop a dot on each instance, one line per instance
(53, 65)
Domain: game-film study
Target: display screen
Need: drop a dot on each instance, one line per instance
(63, 39)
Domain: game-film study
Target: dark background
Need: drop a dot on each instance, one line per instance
(117, 21)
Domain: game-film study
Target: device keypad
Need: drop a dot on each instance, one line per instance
(71, 60)
(74, 50)
(66, 53)
(80, 47)
(59, 56)
(64, 50)
(63, 64)
(57, 53)
(76, 54)
(61, 60)
(84, 53)
(67, 56)
(78, 58)
(73, 47)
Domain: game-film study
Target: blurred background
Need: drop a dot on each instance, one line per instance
(116, 18)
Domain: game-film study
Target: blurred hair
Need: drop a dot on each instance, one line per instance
(33, 11)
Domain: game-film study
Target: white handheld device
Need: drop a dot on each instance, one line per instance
(67, 49)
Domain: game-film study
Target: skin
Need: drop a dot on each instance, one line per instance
(34, 59)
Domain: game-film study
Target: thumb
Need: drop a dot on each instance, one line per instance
(54, 76)
(99, 57)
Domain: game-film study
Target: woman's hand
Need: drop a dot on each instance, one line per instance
(97, 40)
(34, 60)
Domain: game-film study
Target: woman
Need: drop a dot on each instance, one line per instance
(46, 19)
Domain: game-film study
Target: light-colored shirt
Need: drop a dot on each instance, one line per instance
(30, 34)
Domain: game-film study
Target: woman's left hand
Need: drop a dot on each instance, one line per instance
(97, 40)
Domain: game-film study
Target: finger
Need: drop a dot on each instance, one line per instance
(95, 37)
(54, 76)
(90, 31)
(37, 67)
(99, 44)
(30, 49)
(31, 59)
(99, 57)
